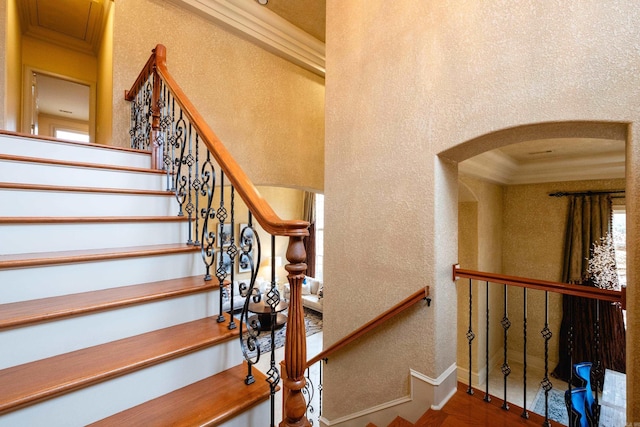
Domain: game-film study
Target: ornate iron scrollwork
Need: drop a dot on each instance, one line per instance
(249, 340)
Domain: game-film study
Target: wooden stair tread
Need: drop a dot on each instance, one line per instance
(67, 142)
(88, 219)
(65, 257)
(42, 160)
(208, 402)
(45, 309)
(36, 381)
(400, 422)
(69, 189)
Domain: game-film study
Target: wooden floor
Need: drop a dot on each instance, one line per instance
(471, 410)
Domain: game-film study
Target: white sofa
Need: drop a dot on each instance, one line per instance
(312, 293)
(238, 300)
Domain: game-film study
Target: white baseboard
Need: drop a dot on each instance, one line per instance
(425, 392)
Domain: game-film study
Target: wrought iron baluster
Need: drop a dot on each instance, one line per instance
(470, 334)
(232, 251)
(208, 240)
(546, 384)
(506, 370)
(250, 247)
(570, 348)
(166, 121)
(180, 181)
(173, 144)
(273, 299)
(196, 185)
(221, 216)
(189, 162)
(320, 380)
(524, 414)
(309, 392)
(487, 397)
(597, 372)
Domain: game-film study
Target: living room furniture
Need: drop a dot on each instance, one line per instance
(261, 285)
(312, 293)
(263, 313)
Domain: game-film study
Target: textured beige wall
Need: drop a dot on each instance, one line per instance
(406, 81)
(268, 112)
(104, 96)
(13, 66)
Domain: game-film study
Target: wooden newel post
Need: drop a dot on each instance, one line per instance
(295, 352)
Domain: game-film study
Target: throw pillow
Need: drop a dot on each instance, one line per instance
(321, 291)
(306, 289)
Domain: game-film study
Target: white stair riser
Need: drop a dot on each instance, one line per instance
(65, 203)
(93, 403)
(21, 284)
(30, 343)
(48, 174)
(87, 153)
(29, 238)
(259, 415)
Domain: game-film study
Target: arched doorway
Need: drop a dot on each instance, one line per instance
(566, 156)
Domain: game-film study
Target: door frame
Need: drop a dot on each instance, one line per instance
(27, 99)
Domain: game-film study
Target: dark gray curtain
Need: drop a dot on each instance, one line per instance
(310, 241)
(589, 219)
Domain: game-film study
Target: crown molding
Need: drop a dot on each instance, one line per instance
(261, 26)
(493, 166)
(497, 167)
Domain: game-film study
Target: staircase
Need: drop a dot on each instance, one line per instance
(105, 318)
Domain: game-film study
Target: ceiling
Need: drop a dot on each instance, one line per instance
(549, 160)
(308, 15)
(74, 24)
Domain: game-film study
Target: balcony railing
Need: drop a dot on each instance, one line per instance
(577, 410)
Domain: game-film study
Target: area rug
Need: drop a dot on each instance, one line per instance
(312, 325)
(557, 407)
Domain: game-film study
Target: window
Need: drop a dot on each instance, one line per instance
(319, 235)
(620, 242)
(620, 245)
(72, 135)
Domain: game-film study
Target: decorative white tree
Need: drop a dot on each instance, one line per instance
(602, 264)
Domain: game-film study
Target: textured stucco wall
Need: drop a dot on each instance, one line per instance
(268, 112)
(407, 81)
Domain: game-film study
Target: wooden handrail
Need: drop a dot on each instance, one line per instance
(543, 285)
(258, 206)
(393, 311)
